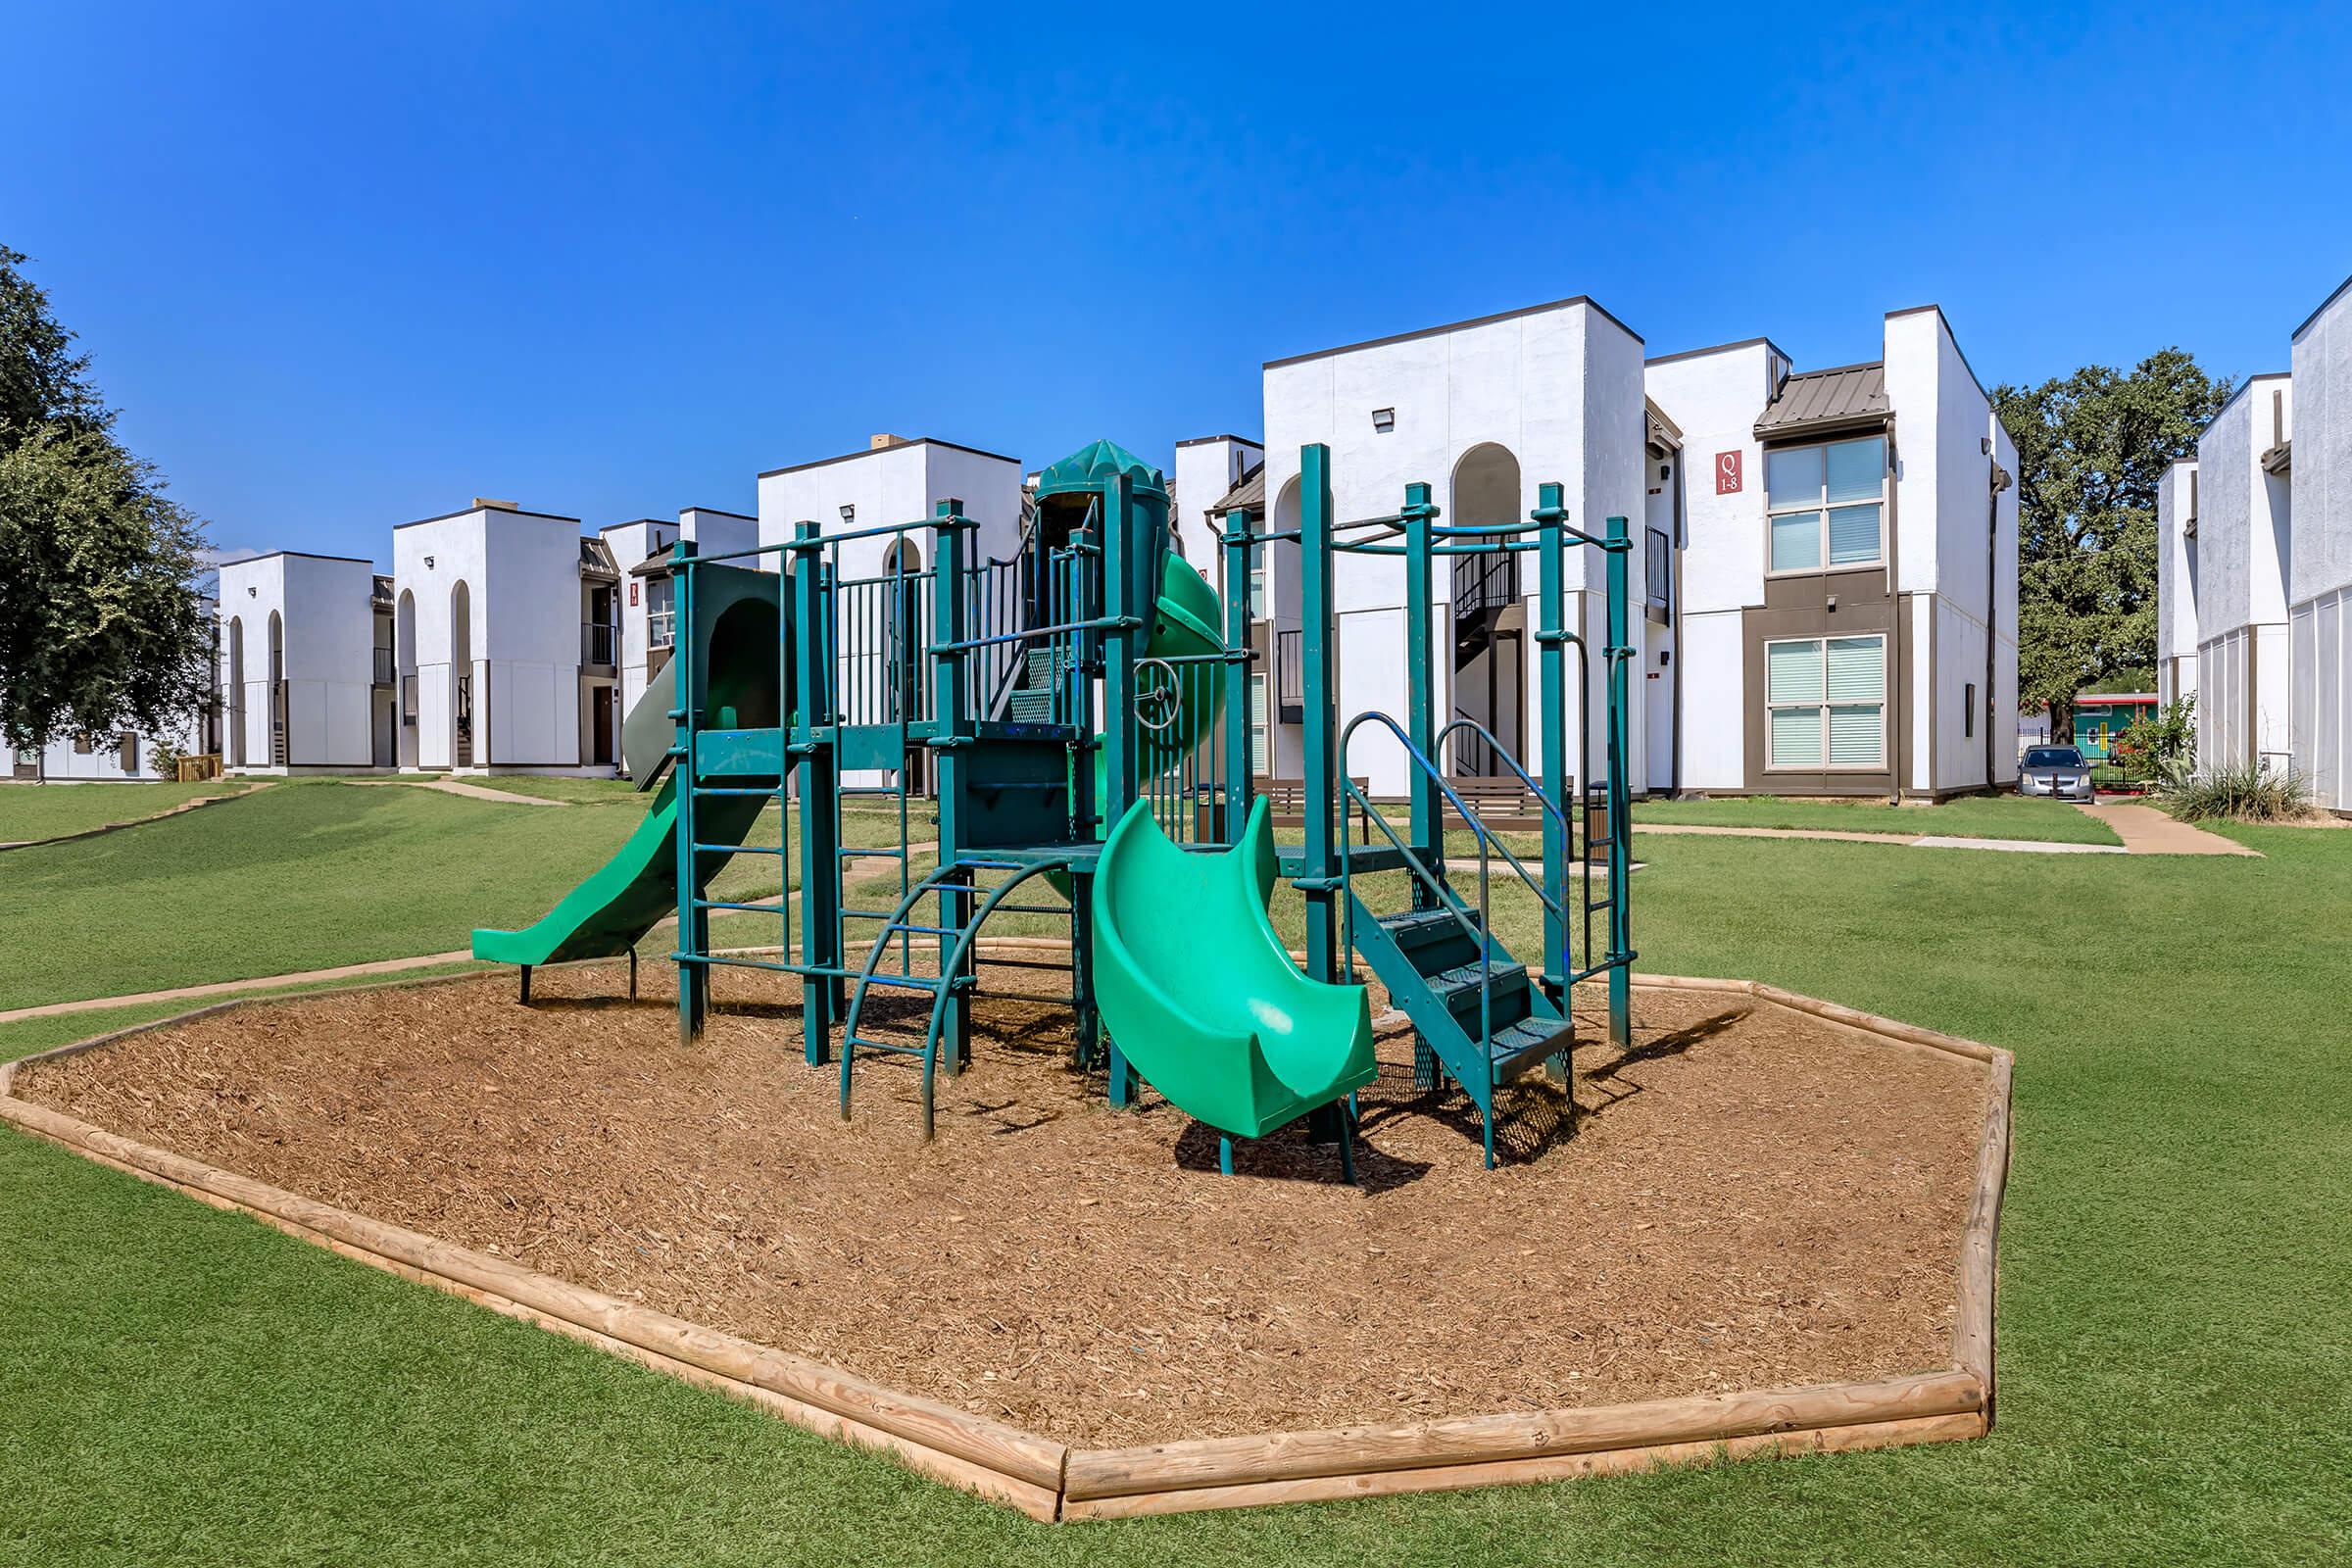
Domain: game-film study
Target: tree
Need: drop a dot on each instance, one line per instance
(102, 627)
(2091, 450)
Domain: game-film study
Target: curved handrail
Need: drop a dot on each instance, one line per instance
(1470, 818)
(1502, 752)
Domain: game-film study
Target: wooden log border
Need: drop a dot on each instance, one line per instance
(1047, 1481)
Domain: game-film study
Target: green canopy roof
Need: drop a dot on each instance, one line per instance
(1088, 468)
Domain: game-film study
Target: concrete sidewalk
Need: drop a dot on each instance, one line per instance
(2144, 829)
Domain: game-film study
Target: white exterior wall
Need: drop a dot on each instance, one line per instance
(327, 626)
(891, 485)
(723, 533)
(2243, 550)
(1715, 397)
(2176, 636)
(631, 544)
(1559, 388)
(522, 576)
(1205, 471)
(2319, 570)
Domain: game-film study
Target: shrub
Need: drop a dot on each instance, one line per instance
(2159, 743)
(2239, 792)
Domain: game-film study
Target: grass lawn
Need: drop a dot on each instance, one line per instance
(298, 876)
(2175, 1333)
(1975, 817)
(33, 812)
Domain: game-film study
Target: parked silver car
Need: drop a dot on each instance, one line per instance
(2057, 771)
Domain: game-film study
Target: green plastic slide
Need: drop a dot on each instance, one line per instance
(636, 890)
(630, 894)
(1199, 992)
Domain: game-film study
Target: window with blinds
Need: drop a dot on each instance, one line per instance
(1826, 703)
(1259, 758)
(1825, 504)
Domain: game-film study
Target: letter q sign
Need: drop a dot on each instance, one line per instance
(1727, 473)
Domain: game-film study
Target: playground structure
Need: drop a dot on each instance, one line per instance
(1080, 711)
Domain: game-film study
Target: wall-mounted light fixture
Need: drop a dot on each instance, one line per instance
(429, 563)
(1383, 420)
(849, 514)
(251, 592)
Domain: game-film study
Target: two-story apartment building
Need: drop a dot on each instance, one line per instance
(2177, 638)
(1824, 578)
(506, 627)
(2318, 461)
(1845, 599)
(648, 626)
(2244, 543)
(126, 755)
(306, 674)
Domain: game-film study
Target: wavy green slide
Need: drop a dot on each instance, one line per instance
(1199, 993)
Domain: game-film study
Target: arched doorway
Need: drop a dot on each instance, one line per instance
(277, 691)
(403, 677)
(236, 691)
(1488, 620)
(461, 676)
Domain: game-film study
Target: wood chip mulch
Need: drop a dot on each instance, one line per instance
(1748, 1198)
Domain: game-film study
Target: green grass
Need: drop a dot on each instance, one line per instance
(2176, 1330)
(29, 812)
(301, 875)
(1975, 817)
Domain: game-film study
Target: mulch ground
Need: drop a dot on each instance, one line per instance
(1747, 1199)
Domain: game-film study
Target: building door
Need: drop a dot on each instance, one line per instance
(600, 720)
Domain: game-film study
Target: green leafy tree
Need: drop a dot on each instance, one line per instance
(2091, 450)
(102, 625)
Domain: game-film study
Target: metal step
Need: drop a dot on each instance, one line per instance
(1504, 974)
(1530, 1040)
(1415, 928)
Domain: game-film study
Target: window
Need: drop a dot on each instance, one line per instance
(1825, 504)
(1258, 760)
(84, 745)
(1826, 703)
(1658, 568)
(1968, 711)
(661, 618)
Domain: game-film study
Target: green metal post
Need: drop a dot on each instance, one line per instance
(1551, 662)
(1621, 926)
(694, 922)
(819, 778)
(1237, 674)
(1421, 707)
(1119, 644)
(1420, 685)
(1319, 773)
(948, 675)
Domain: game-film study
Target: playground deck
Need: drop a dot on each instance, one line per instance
(1753, 1200)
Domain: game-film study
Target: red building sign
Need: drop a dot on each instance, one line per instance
(1727, 473)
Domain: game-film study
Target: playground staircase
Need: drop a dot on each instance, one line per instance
(1032, 700)
(1477, 1014)
(1472, 1005)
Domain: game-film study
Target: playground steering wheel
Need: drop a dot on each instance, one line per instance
(1158, 699)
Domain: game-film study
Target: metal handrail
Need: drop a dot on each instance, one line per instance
(1470, 818)
(1465, 721)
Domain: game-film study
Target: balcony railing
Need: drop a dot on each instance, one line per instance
(598, 639)
(661, 627)
(383, 667)
(1290, 676)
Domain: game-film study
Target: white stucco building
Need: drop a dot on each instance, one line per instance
(892, 480)
(642, 551)
(1824, 578)
(1485, 411)
(507, 630)
(2176, 635)
(2244, 543)
(2320, 565)
(306, 671)
(1844, 609)
(1204, 473)
(126, 755)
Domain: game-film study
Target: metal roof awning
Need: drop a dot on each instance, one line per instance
(1248, 495)
(1850, 398)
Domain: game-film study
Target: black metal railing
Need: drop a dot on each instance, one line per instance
(599, 641)
(384, 669)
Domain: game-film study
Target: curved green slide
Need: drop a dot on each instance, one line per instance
(636, 890)
(1199, 993)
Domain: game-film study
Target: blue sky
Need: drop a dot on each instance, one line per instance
(342, 267)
